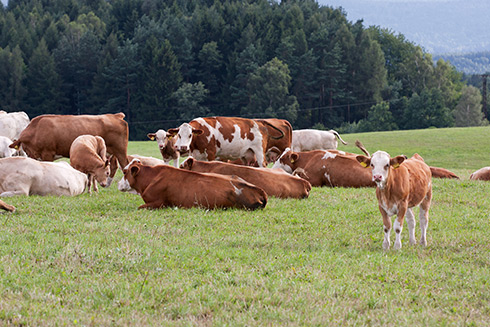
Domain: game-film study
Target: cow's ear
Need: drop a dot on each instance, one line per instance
(197, 131)
(15, 145)
(364, 161)
(172, 132)
(294, 157)
(134, 170)
(397, 161)
(187, 164)
(151, 136)
(106, 163)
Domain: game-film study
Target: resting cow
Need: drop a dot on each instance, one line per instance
(167, 147)
(313, 139)
(482, 174)
(325, 168)
(227, 138)
(49, 137)
(26, 176)
(88, 154)
(274, 182)
(166, 186)
(401, 185)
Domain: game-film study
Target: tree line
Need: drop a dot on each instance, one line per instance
(166, 62)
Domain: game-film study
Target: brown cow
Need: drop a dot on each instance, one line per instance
(326, 168)
(227, 138)
(438, 172)
(279, 134)
(49, 137)
(274, 182)
(149, 161)
(166, 186)
(401, 185)
(88, 155)
(482, 174)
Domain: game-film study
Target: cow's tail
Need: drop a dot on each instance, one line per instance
(276, 128)
(363, 149)
(338, 136)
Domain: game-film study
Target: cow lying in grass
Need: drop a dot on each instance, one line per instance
(401, 185)
(482, 174)
(166, 186)
(26, 176)
(149, 161)
(326, 168)
(274, 182)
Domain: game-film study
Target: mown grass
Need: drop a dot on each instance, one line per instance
(97, 261)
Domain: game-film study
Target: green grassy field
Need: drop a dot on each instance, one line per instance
(98, 261)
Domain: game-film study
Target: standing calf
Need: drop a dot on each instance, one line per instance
(166, 146)
(88, 155)
(401, 185)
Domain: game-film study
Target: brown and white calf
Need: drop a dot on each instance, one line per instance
(166, 186)
(88, 155)
(274, 182)
(401, 185)
(166, 144)
(325, 168)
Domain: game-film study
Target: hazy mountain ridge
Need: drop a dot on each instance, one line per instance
(458, 30)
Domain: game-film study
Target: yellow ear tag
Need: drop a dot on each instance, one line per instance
(152, 138)
(292, 160)
(363, 164)
(16, 147)
(396, 165)
(170, 137)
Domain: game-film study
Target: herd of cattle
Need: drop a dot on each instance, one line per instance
(226, 164)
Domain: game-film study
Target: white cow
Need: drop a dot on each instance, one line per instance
(13, 123)
(5, 151)
(26, 176)
(313, 139)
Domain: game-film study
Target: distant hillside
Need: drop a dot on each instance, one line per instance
(470, 63)
(439, 26)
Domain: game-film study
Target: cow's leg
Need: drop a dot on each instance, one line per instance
(176, 160)
(6, 206)
(387, 228)
(89, 183)
(260, 158)
(94, 183)
(424, 217)
(399, 226)
(411, 225)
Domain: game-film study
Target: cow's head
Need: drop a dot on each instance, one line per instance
(102, 172)
(160, 136)
(130, 172)
(381, 163)
(287, 161)
(184, 135)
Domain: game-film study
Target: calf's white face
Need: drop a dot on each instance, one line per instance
(161, 137)
(380, 165)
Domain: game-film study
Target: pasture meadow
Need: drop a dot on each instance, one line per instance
(98, 261)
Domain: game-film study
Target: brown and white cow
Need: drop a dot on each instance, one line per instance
(166, 186)
(88, 155)
(482, 174)
(49, 137)
(274, 182)
(325, 168)
(26, 176)
(401, 185)
(227, 138)
(166, 145)
(314, 139)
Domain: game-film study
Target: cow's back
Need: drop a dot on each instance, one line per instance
(420, 178)
(13, 123)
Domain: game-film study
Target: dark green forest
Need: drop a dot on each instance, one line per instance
(166, 62)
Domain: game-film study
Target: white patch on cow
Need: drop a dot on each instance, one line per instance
(327, 176)
(342, 153)
(398, 234)
(386, 242)
(238, 191)
(123, 185)
(329, 155)
(423, 226)
(389, 211)
(411, 225)
(380, 164)
(279, 165)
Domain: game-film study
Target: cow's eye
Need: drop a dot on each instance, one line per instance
(386, 167)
